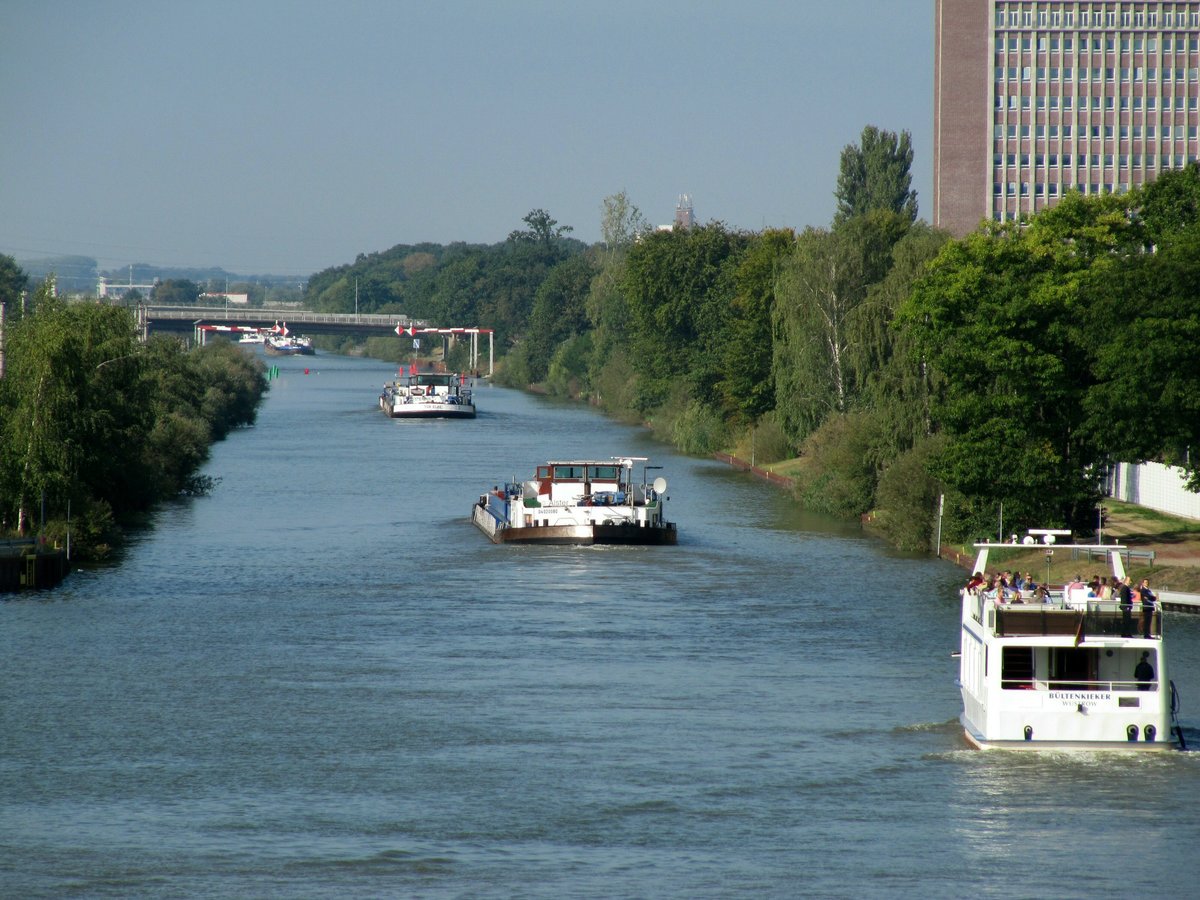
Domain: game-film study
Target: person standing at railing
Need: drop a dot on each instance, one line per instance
(1125, 597)
(1143, 672)
(1148, 601)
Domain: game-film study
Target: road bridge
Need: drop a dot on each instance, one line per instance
(199, 321)
(188, 318)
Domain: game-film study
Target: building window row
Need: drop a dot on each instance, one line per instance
(1095, 74)
(1094, 102)
(1110, 17)
(1107, 132)
(1094, 160)
(1096, 132)
(1171, 43)
(1004, 193)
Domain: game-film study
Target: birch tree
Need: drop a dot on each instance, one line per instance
(821, 287)
(38, 405)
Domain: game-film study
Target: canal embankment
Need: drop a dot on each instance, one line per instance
(27, 565)
(1170, 557)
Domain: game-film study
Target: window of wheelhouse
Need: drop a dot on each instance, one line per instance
(568, 473)
(604, 473)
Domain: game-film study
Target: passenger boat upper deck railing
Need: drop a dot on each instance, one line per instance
(1057, 615)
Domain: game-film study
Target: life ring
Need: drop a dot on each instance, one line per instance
(417, 391)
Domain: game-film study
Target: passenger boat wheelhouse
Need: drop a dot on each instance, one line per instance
(578, 502)
(428, 395)
(1061, 670)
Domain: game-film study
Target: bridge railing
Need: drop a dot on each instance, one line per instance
(298, 316)
(200, 316)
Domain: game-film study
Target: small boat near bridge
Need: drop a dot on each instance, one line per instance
(286, 345)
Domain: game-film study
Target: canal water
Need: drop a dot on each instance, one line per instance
(322, 681)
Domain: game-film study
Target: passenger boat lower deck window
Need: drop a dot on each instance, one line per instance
(1017, 668)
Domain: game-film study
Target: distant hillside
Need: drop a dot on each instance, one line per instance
(80, 274)
(74, 274)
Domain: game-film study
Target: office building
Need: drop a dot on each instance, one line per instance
(1035, 98)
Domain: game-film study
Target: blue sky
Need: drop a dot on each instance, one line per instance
(267, 136)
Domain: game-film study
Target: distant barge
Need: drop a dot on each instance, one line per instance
(578, 502)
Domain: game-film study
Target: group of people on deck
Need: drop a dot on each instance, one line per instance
(1006, 587)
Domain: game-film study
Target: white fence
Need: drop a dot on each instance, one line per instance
(1155, 486)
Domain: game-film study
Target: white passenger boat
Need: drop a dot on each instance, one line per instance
(1061, 669)
(578, 502)
(428, 395)
(252, 336)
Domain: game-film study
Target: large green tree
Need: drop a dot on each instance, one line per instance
(559, 311)
(12, 283)
(175, 292)
(746, 385)
(1144, 342)
(543, 232)
(875, 174)
(679, 286)
(1169, 206)
(1007, 319)
(72, 407)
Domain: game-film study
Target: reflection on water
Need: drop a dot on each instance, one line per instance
(323, 681)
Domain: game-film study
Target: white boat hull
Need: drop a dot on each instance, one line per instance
(431, 411)
(626, 533)
(980, 743)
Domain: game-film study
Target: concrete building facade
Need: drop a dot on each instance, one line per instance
(1036, 98)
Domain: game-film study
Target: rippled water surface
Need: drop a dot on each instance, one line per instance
(323, 681)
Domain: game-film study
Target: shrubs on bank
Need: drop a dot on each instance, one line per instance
(99, 427)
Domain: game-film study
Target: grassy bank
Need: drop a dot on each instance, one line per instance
(1174, 541)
